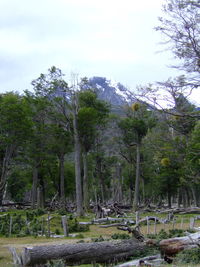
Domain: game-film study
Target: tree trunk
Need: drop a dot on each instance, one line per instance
(77, 155)
(119, 183)
(34, 187)
(101, 178)
(2, 188)
(194, 195)
(82, 253)
(85, 181)
(137, 178)
(5, 164)
(169, 198)
(62, 179)
(40, 198)
(179, 197)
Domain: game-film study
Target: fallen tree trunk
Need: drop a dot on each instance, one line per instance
(171, 246)
(82, 253)
(146, 261)
(110, 219)
(152, 218)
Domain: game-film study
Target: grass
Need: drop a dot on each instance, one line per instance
(94, 232)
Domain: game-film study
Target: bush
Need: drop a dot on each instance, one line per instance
(98, 239)
(58, 263)
(188, 256)
(74, 226)
(176, 233)
(120, 236)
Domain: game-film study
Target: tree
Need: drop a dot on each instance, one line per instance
(181, 27)
(52, 120)
(92, 115)
(193, 162)
(15, 128)
(38, 148)
(134, 128)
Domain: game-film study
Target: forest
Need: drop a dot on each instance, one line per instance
(63, 144)
(65, 150)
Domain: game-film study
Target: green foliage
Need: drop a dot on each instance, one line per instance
(98, 239)
(15, 121)
(176, 233)
(120, 236)
(164, 235)
(147, 251)
(191, 256)
(58, 263)
(19, 181)
(74, 226)
(133, 130)
(193, 160)
(92, 113)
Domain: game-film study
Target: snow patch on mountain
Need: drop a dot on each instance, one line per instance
(113, 92)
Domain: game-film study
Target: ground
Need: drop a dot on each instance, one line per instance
(95, 232)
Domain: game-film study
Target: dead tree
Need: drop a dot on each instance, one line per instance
(82, 253)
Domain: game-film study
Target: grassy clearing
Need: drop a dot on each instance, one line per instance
(94, 232)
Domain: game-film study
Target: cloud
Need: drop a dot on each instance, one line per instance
(111, 38)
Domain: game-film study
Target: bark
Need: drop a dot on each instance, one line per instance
(85, 181)
(77, 155)
(194, 195)
(5, 165)
(172, 246)
(82, 253)
(137, 178)
(154, 219)
(169, 198)
(40, 197)
(118, 184)
(62, 180)
(101, 179)
(179, 198)
(34, 187)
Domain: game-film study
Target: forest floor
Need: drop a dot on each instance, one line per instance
(94, 232)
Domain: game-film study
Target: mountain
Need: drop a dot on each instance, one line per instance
(114, 93)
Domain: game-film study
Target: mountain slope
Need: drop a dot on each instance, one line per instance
(114, 93)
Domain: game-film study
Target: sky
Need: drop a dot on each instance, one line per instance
(109, 38)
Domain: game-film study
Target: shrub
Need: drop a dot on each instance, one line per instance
(189, 256)
(120, 236)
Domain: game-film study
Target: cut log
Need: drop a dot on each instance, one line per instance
(82, 253)
(172, 246)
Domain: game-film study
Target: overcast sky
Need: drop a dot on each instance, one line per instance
(109, 38)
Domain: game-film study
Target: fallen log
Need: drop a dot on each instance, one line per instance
(82, 253)
(172, 246)
(110, 219)
(146, 261)
(152, 218)
(111, 225)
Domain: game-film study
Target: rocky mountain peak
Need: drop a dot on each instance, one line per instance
(114, 93)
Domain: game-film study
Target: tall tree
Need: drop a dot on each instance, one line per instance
(15, 127)
(51, 91)
(92, 116)
(134, 128)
